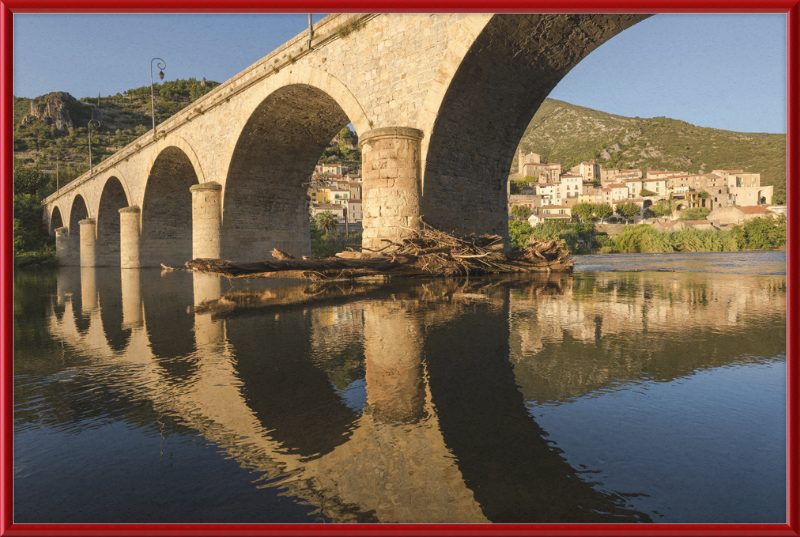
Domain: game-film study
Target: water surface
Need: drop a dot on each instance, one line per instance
(143, 396)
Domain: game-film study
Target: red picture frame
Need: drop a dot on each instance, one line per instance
(9, 7)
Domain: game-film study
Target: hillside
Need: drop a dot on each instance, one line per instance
(54, 126)
(568, 134)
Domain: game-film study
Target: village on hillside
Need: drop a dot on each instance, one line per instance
(725, 197)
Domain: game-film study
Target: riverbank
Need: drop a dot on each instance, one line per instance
(758, 234)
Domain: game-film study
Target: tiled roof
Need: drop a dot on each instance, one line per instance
(755, 209)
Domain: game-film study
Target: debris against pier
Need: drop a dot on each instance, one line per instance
(427, 252)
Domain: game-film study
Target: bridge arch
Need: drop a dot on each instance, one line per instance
(56, 220)
(113, 197)
(166, 217)
(511, 66)
(78, 210)
(264, 203)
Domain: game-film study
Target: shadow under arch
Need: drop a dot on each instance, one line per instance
(56, 221)
(265, 203)
(107, 246)
(289, 395)
(509, 70)
(78, 211)
(167, 210)
(502, 453)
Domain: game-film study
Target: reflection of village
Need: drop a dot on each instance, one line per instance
(389, 403)
(609, 328)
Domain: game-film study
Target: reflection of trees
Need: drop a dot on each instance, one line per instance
(615, 328)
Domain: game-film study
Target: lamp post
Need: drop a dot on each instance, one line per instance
(90, 141)
(161, 68)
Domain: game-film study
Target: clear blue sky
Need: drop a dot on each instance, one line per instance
(712, 70)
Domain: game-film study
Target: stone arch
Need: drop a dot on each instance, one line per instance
(113, 197)
(166, 225)
(264, 203)
(647, 203)
(509, 69)
(78, 210)
(56, 220)
(173, 140)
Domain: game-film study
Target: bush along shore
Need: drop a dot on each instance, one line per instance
(582, 238)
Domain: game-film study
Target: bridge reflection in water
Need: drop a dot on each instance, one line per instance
(401, 403)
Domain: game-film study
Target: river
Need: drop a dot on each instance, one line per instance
(642, 388)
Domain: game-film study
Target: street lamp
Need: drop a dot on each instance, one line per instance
(90, 141)
(152, 98)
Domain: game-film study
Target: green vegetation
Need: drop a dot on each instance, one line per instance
(125, 117)
(756, 234)
(627, 210)
(32, 244)
(644, 192)
(694, 213)
(518, 184)
(584, 211)
(521, 211)
(577, 238)
(327, 244)
(565, 133)
(339, 151)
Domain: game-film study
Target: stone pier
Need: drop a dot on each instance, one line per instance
(129, 223)
(88, 235)
(63, 253)
(132, 315)
(206, 220)
(391, 183)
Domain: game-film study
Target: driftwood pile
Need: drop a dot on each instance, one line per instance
(426, 252)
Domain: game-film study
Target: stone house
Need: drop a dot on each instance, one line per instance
(590, 171)
(737, 215)
(619, 191)
(544, 172)
(570, 188)
(617, 175)
(657, 185)
(354, 210)
(662, 174)
(336, 210)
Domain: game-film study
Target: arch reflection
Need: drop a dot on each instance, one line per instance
(406, 402)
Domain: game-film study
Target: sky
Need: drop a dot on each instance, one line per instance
(726, 71)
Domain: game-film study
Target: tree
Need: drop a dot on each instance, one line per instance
(519, 184)
(519, 234)
(703, 194)
(645, 192)
(327, 221)
(584, 211)
(603, 211)
(27, 180)
(347, 136)
(521, 211)
(694, 213)
(627, 210)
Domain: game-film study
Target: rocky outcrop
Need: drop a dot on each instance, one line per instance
(53, 111)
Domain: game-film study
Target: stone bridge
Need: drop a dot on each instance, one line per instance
(439, 103)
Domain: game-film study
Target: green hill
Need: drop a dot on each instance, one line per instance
(568, 134)
(54, 126)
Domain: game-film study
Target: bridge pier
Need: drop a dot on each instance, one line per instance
(63, 253)
(129, 218)
(206, 220)
(88, 288)
(391, 182)
(88, 235)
